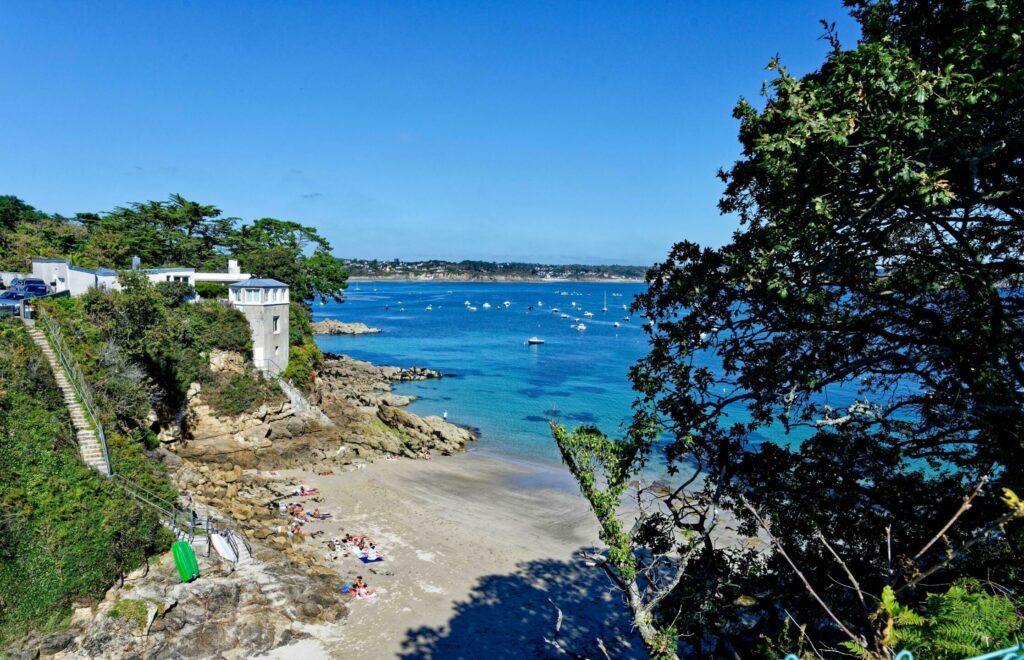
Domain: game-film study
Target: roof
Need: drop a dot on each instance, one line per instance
(263, 283)
(181, 269)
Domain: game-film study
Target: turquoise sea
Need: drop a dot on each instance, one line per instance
(502, 386)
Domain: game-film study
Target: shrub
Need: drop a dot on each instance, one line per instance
(174, 294)
(238, 393)
(212, 290)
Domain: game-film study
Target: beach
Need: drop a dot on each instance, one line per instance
(479, 553)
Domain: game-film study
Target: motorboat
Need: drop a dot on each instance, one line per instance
(507, 303)
(429, 308)
(487, 305)
(565, 316)
(588, 314)
(615, 325)
(534, 341)
(581, 327)
(471, 308)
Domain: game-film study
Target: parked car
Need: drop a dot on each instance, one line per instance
(10, 302)
(35, 289)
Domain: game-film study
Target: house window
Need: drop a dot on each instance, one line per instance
(277, 327)
(252, 295)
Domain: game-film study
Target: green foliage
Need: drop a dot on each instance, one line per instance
(174, 294)
(304, 356)
(178, 232)
(962, 622)
(294, 254)
(238, 393)
(65, 532)
(879, 250)
(211, 290)
(141, 349)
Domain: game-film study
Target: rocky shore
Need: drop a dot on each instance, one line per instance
(228, 465)
(333, 327)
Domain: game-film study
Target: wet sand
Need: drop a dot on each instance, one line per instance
(479, 552)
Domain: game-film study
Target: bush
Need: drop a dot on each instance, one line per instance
(234, 394)
(174, 294)
(211, 290)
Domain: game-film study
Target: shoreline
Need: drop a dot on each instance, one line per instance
(477, 549)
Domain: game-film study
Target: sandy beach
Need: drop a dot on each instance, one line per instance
(479, 552)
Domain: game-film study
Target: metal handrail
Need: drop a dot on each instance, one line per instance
(52, 329)
(166, 508)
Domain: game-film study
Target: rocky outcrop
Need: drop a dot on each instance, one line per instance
(333, 327)
(357, 396)
(228, 612)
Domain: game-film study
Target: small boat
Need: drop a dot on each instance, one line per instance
(555, 310)
(466, 303)
(507, 304)
(605, 308)
(401, 309)
(540, 304)
(616, 324)
(588, 314)
(322, 303)
(487, 305)
(530, 308)
(565, 316)
(581, 327)
(576, 320)
(429, 308)
(534, 340)
(624, 308)
(625, 318)
(471, 308)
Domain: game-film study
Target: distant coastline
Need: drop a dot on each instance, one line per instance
(504, 279)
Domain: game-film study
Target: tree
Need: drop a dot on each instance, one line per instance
(879, 255)
(293, 254)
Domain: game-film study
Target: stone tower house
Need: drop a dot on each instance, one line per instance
(265, 305)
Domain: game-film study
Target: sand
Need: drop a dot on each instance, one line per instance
(479, 552)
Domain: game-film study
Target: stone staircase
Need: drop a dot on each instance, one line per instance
(88, 444)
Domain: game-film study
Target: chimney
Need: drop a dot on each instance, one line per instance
(233, 267)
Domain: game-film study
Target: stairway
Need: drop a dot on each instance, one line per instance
(88, 444)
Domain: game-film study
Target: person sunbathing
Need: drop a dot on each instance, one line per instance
(371, 554)
(362, 591)
(306, 492)
(425, 453)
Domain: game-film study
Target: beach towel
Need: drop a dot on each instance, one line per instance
(370, 561)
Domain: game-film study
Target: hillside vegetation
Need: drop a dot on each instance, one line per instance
(66, 533)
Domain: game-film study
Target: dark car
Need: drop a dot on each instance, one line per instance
(34, 289)
(10, 302)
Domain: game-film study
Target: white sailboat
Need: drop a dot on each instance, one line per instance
(605, 308)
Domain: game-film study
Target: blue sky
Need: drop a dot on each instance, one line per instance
(541, 131)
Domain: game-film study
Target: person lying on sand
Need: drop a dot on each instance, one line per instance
(326, 473)
(425, 453)
(306, 492)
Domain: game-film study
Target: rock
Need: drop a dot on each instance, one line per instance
(55, 642)
(334, 327)
(227, 362)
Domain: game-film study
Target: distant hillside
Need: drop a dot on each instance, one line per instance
(487, 271)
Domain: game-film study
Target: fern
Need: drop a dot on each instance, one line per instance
(962, 622)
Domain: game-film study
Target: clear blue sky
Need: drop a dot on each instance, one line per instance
(550, 131)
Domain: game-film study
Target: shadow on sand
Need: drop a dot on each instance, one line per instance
(509, 616)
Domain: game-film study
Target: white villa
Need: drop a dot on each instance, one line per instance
(61, 275)
(264, 302)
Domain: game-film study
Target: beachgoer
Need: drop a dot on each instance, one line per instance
(445, 415)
